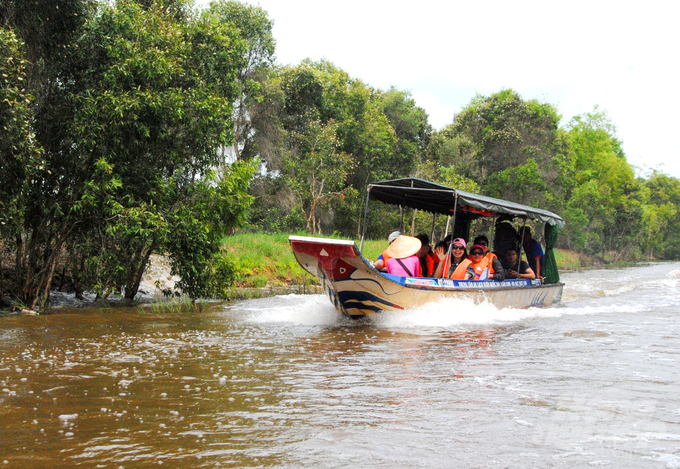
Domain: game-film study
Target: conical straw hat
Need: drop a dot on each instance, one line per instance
(403, 246)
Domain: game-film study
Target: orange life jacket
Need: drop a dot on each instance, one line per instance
(461, 270)
(482, 265)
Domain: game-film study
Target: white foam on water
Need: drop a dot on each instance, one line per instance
(316, 310)
(452, 312)
(444, 313)
(631, 290)
(307, 310)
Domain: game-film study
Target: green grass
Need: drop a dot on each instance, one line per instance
(174, 305)
(267, 260)
(568, 260)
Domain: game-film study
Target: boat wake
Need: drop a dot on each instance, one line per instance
(453, 312)
(657, 278)
(586, 293)
(307, 310)
(316, 310)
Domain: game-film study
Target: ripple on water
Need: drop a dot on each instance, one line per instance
(289, 382)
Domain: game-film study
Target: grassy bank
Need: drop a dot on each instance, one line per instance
(265, 260)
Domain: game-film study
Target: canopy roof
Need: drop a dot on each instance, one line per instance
(435, 198)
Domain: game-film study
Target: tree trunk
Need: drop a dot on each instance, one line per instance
(47, 282)
(136, 280)
(18, 264)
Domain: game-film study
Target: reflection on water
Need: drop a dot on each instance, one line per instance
(288, 382)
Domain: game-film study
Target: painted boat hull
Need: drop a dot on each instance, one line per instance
(357, 289)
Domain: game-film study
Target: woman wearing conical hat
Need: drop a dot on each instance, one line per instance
(403, 259)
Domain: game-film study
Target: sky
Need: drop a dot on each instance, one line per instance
(620, 56)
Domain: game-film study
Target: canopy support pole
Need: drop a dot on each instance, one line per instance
(521, 246)
(363, 232)
(434, 216)
(453, 227)
(401, 223)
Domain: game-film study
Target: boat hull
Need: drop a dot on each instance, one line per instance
(357, 289)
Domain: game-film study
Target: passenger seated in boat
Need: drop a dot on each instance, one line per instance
(515, 267)
(483, 241)
(426, 256)
(443, 244)
(487, 267)
(505, 237)
(403, 257)
(457, 266)
(380, 263)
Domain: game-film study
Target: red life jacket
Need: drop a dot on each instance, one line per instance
(428, 264)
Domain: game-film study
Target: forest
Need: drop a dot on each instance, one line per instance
(151, 126)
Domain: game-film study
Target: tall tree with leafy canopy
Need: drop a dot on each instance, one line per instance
(601, 212)
(156, 105)
(662, 238)
(501, 137)
(317, 171)
(148, 91)
(20, 158)
(18, 153)
(381, 132)
(255, 28)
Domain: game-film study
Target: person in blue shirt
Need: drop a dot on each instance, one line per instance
(534, 253)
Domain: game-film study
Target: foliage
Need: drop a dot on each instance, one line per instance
(317, 171)
(368, 135)
(19, 155)
(130, 124)
(496, 134)
(256, 29)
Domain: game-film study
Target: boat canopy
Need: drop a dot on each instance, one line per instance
(434, 198)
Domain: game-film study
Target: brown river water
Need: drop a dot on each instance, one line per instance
(287, 382)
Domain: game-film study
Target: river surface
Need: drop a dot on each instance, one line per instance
(288, 382)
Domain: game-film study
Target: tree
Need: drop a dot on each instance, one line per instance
(255, 28)
(602, 192)
(410, 124)
(663, 238)
(598, 153)
(146, 101)
(496, 133)
(19, 156)
(317, 171)
(157, 105)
